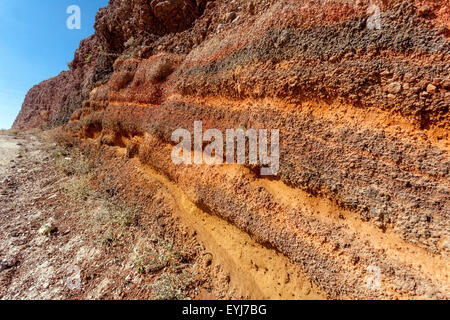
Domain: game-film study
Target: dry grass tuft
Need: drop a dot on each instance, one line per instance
(59, 136)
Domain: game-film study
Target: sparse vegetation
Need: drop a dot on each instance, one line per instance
(88, 58)
(71, 166)
(64, 165)
(9, 132)
(58, 136)
(111, 221)
(33, 132)
(77, 188)
(121, 215)
(152, 259)
(108, 238)
(165, 257)
(172, 286)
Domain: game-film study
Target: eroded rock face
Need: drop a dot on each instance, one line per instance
(52, 102)
(140, 19)
(176, 15)
(363, 119)
(121, 25)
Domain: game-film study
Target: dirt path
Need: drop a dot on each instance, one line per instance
(34, 265)
(85, 253)
(9, 150)
(28, 265)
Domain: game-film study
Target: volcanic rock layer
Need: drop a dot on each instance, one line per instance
(363, 183)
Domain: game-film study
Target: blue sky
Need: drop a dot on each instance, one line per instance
(35, 44)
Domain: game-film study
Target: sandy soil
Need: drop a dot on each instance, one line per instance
(36, 266)
(9, 146)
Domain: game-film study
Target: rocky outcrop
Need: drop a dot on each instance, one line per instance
(122, 25)
(363, 116)
(141, 21)
(52, 102)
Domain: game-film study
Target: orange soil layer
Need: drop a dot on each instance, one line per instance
(332, 247)
(316, 233)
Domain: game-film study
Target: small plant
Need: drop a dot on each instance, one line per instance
(88, 58)
(110, 222)
(65, 165)
(175, 278)
(172, 286)
(130, 42)
(150, 262)
(141, 268)
(77, 189)
(47, 230)
(117, 214)
(122, 216)
(60, 137)
(109, 238)
(84, 166)
(165, 255)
